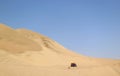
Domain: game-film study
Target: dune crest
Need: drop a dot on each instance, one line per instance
(27, 53)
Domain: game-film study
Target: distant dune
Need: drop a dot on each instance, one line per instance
(27, 53)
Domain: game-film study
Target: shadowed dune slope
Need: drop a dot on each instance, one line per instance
(14, 42)
(27, 53)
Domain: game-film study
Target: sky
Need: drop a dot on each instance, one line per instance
(88, 27)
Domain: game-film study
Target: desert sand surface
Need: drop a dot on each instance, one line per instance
(27, 53)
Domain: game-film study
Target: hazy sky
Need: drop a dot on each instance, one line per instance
(89, 27)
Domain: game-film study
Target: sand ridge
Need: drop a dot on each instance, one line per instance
(27, 53)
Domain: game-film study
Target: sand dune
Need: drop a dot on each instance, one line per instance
(27, 53)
